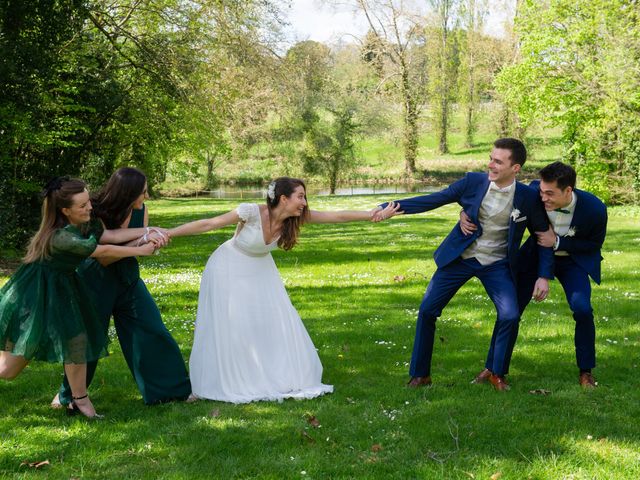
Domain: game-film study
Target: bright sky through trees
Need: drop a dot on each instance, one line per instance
(323, 22)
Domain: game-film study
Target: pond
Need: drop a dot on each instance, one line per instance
(231, 191)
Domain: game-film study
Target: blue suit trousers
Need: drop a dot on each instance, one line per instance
(446, 281)
(577, 289)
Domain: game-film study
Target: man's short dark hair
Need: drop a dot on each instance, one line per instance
(515, 146)
(564, 175)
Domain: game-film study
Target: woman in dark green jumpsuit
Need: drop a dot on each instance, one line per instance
(151, 352)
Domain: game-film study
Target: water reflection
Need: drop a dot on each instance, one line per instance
(228, 191)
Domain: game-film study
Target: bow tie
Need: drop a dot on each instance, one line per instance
(497, 189)
(562, 210)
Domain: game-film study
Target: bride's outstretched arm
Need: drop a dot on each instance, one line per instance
(205, 225)
(375, 215)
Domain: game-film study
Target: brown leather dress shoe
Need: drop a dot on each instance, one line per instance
(587, 380)
(499, 383)
(482, 377)
(416, 382)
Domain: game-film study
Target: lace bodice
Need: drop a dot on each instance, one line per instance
(71, 245)
(249, 237)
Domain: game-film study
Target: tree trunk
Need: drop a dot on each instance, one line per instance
(410, 137)
(333, 182)
(444, 122)
(470, 126)
(209, 179)
(505, 120)
(410, 140)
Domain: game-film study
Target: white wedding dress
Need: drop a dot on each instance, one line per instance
(249, 342)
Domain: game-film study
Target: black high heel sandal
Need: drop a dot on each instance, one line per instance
(73, 409)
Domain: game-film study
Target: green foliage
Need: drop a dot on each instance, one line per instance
(444, 48)
(578, 70)
(328, 147)
(594, 177)
(89, 86)
(475, 74)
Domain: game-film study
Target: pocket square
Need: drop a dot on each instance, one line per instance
(520, 219)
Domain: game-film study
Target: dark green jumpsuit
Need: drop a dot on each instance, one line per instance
(151, 352)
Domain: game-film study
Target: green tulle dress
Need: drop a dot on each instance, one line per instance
(46, 312)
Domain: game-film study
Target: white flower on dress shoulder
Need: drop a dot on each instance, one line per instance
(271, 191)
(515, 213)
(571, 232)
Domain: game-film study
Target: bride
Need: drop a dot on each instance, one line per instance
(250, 343)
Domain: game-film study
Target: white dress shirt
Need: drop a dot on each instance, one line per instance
(561, 222)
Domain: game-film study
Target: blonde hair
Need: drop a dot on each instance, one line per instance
(291, 226)
(58, 194)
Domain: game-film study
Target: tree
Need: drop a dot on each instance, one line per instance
(89, 86)
(328, 147)
(309, 66)
(443, 78)
(474, 75)
(395, 33)
(579, 70)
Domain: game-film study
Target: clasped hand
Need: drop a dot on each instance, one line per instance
(159, 237)
(379, 214)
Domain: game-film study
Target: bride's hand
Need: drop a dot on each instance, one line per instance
(391, 210)
(160, 239)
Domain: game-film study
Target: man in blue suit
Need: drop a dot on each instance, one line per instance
(502, 208)
(579, 222)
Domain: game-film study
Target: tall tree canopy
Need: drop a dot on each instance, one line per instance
(578, 69)
(90, 85)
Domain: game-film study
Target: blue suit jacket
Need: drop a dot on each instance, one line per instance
(468, 192)
(589, 225)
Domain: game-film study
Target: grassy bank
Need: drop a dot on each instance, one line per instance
(357, 288)
(380, 158)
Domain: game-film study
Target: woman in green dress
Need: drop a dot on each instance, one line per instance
(46, 311)
(153, 356)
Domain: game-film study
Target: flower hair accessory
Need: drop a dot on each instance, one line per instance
(54, 184)
(271, 191)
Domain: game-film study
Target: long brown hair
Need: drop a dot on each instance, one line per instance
(291, 226)
(58, 194)
(114, 202)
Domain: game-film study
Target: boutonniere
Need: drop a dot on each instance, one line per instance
(571, 232)
(515, 213)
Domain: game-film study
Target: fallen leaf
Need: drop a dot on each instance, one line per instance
(496, 476)
(469, 474)
(214, 413)
(306, 437)
(376, 447)
(312, 420)
(398, 278)
(540, 391)
(35, 465)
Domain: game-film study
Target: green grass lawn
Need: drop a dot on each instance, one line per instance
(357, 288)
